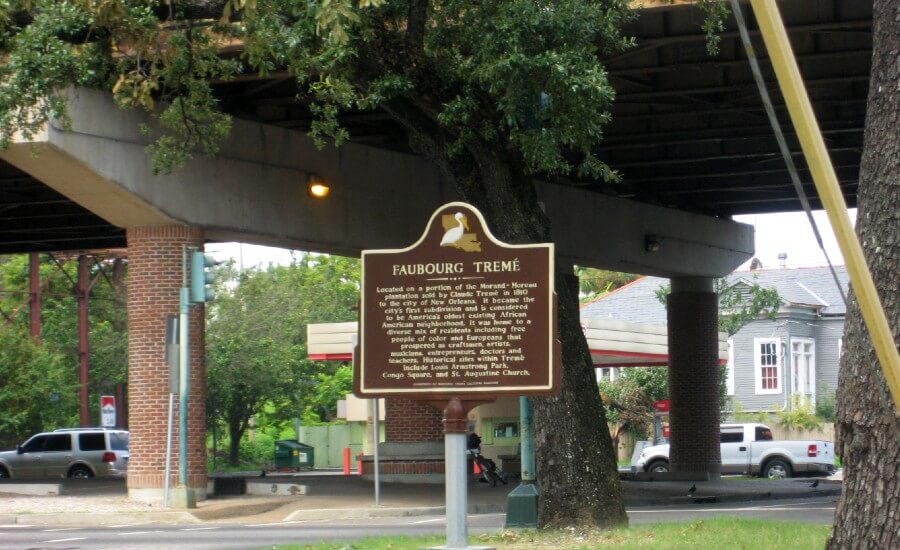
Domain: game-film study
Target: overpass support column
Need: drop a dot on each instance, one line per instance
(154, 280)
(694, 376)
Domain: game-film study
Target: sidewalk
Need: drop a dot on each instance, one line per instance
(339, 497)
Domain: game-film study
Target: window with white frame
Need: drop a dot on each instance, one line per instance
(767, 365)
(730, 382)
(803, 368)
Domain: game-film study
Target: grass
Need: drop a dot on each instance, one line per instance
(710, 533)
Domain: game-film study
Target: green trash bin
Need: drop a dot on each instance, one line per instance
(293, 454)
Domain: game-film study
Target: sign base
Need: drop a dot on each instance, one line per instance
(182, 497)
(522, 507)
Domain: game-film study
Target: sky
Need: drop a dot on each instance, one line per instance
(790, 233)
(787, 232)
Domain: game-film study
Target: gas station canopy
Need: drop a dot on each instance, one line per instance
(612, 343)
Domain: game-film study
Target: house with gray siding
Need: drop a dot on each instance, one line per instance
(769, 360)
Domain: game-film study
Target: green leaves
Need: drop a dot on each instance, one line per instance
(39, 65)
(740, 302)
(593, 283)
(39, 387)
(534, 68)
(256, 338)
(527, 73)
(716, 12)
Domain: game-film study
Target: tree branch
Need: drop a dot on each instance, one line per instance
(415, 24)
(192, 10)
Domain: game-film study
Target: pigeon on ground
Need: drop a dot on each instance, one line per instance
(814, 484)
(692, 490)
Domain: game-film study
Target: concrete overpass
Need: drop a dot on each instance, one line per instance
(255, 191)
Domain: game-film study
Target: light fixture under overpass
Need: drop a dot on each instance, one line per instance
(316, 188)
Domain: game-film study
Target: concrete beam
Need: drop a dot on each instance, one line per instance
(255, 191)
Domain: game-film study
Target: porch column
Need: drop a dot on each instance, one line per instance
(154, 279)
(694, 376)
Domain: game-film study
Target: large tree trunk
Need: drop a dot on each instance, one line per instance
(868, 432)
(575, 462)
(235, 433)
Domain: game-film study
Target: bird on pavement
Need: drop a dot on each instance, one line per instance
(814, 484)
(692, 490)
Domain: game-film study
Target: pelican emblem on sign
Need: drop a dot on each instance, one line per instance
(455, 235)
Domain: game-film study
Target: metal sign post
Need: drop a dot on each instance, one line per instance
(376, 464)
(171, 356)
(457, 499)
(168, 473)
(184, 495)
(522, 502)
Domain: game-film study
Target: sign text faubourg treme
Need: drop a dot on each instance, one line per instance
(458, 312)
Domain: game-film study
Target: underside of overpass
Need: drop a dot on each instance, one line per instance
(688, 132)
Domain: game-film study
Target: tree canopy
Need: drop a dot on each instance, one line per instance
(256, 342)
(39, 386)
(521, 72)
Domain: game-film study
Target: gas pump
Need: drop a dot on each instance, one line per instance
(661, 422)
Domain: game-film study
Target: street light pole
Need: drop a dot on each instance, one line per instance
(183, 495)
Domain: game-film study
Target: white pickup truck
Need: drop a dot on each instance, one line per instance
(749, 449)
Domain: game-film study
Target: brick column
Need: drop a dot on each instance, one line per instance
(408, 421)
(694, 377)
(154, 279)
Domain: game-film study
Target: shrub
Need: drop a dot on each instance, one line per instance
(800, 416)
(258, 451)
(740, 415)
(826, 408)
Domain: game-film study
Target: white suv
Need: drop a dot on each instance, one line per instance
(70, 452)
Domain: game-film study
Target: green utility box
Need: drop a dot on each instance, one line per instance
(293, 454)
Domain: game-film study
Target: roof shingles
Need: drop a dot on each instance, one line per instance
(813, 286)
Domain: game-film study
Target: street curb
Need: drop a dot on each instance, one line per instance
(33, 489)
(7, 519)
(375, 512)
(116, 518)
(708, 498)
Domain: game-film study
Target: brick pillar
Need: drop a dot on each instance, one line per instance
(694, 376)
(154, 279)
(408, 421)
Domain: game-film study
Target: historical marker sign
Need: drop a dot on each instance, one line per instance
(458, 312)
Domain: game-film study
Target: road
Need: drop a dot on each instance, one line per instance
(252, 536)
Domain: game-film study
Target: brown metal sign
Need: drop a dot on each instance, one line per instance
(458, 312)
